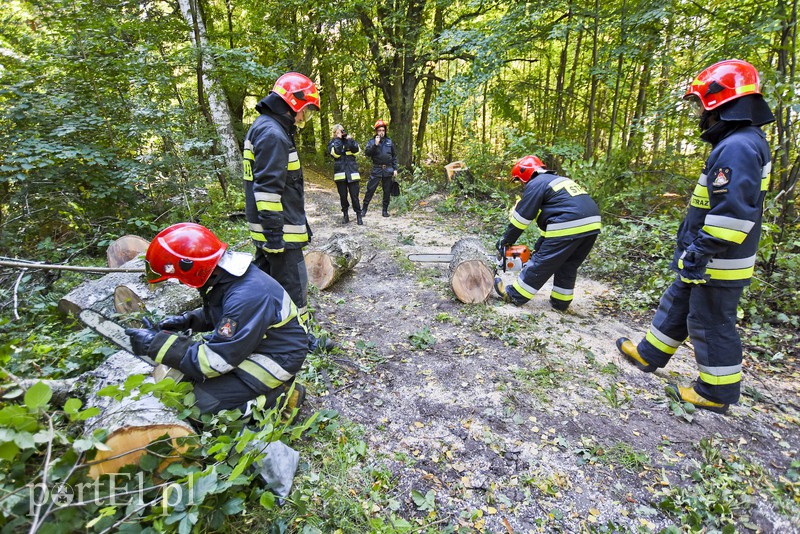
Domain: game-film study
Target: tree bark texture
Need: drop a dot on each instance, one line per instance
(471, 272)
(217, 101)
(330, 262)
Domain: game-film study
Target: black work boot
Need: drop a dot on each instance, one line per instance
(385, 212)
(364, 208)
(346, 218)
(358, 218)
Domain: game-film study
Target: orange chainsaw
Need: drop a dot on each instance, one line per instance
(509, 258)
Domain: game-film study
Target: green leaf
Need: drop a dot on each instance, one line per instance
(133, 382)
(148, 463)
(38, 395)
(72, 406)
(267, 500)
(88, 412)
(233, 506)
(24, 440)
(8, 451)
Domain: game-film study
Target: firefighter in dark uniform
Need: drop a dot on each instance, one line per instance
(717, 240)
(569, 221)
(384, 167)
(343, 149)
(273, 181)
(257, 342)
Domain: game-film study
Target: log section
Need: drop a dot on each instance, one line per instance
(471, 271)
(329, 262)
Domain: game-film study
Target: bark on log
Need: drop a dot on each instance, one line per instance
(329, 262)
(131, 424)
(167, 298)
(471, 272)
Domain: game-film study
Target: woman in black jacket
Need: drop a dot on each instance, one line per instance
(343, 150)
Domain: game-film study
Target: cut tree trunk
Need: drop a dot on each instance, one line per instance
(167, 298)
(471, 272)
(125, 249)
(131, 424)
(329, 262)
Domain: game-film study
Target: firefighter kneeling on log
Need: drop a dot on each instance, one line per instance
(569, 221)
(257, 343)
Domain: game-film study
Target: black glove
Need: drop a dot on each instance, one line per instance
(141, 338)
(693, 266)
(175, 323)
(500, 245)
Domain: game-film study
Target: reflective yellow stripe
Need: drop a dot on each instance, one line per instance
(339, 176)
(746, 89)
(295, 238)
(734, 236)
(765, 184)
(573, 231)
(288, 311)
(258, 236)
(721, 380)
(269, 206)
(165, 347)
(334, 154)
(248, 154)
(205, 366)
(561, 296)
(260, 374)
(700, 197)
(523, 289)
(657, 343)
(730, 274)
(248, 170)
(293, 166)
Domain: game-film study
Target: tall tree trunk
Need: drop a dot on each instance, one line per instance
(589, 147)
(562, 70)
(217, 102)
(427, 97)
(786, 65)
(615, 105)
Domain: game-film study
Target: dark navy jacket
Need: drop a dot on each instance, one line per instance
(256, 334)
(723, 221)
(561, 208)
(384, 159)
(273, 185)
(343, 152)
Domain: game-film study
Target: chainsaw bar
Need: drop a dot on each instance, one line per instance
(431, 258)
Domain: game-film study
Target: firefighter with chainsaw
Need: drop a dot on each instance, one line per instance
(257, 341)
(717, 241)
(273, 186)
(343, 149)
(569, 221)
(384, 167)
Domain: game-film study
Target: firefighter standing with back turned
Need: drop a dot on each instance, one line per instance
(569, 221)
(717, 240)
(273, 186)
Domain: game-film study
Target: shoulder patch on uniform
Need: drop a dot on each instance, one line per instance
(722, 176)
(227, 327)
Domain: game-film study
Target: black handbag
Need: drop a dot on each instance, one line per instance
(395, 190)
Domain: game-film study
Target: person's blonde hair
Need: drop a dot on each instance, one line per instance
(336, 128)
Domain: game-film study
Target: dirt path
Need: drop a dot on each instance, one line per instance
(517, 418)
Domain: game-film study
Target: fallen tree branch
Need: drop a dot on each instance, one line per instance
(22, 264)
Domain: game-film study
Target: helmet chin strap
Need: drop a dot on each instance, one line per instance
(708, 119)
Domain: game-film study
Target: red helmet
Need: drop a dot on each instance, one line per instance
(186, 251)
(297, 90)
(523, 170)
(723, 82)
(380, 124)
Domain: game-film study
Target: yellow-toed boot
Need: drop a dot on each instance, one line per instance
(628, 349)
(684, 394)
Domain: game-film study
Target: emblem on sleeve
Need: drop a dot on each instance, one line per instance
(722, 176)
(227, 327)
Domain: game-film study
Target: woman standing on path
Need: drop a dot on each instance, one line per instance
(343, 149)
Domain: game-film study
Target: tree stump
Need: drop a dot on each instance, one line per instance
(471, 272)
(329, 262)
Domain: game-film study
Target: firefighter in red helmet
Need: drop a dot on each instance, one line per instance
(273, 185)
(257, 342)
(569, 222)
(384, 167)
(717, 240)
